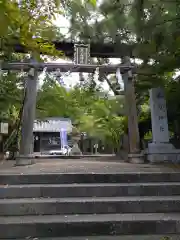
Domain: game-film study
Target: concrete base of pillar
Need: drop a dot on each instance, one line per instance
(137, 158)
(24, 160)
(162, 153)
(160, 148)
(156, 158)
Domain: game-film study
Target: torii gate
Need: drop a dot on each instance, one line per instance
(81, 64)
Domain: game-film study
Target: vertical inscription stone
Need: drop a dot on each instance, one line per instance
(159, 116)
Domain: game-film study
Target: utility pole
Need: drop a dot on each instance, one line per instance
(134, 155)
(26, 143)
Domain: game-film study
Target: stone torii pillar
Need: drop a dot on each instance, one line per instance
(135, 155)
(26, 143)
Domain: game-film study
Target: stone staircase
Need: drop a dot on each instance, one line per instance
(128, 206)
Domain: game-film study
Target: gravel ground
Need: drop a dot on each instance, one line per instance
(83, 166)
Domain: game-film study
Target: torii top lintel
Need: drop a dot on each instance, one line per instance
(97, 49)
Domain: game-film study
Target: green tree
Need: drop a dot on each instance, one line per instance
(101, 118)
(29, 23)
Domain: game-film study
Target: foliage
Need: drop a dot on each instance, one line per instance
(152, 27)
(11, 96)
(98, 117)
(28, 23)
(103, 122)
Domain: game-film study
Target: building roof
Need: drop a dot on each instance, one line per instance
(52, 125)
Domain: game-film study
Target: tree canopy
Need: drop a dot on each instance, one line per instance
(151, 26)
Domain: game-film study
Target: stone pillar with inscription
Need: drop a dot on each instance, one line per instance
(160, 150)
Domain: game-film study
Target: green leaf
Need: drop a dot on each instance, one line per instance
(92, 2)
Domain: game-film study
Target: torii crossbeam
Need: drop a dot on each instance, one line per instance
(65, 67)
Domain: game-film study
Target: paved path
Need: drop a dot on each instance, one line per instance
(82, 166)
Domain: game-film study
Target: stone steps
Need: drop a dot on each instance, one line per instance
(56, 178)
(65, 206)
(124, 237)
(83, 225)
(93, 205)
(89, 190)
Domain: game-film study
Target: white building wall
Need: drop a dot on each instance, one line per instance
(52, 125)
